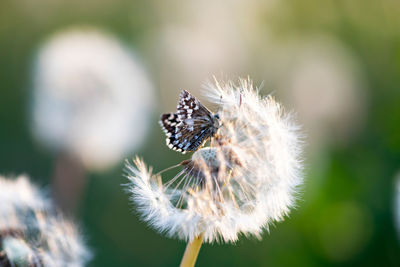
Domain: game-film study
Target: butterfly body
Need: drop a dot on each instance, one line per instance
(190, 126)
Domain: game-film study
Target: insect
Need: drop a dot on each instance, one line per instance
(190, 126)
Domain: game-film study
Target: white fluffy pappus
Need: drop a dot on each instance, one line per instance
(246, 179)
(32, 232)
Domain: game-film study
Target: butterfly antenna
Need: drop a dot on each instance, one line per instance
(219, 105)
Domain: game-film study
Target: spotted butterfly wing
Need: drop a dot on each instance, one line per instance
(190, 126)
(169, 122)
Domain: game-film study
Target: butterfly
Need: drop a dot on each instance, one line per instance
(190, 126)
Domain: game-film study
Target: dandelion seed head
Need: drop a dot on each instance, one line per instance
(91, 98)
(246, 179)
(32, 232)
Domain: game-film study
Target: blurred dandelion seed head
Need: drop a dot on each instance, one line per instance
(32, 232)
(244, 181)
(323, 81)
(91, 97)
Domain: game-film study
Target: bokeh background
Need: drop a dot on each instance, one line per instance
(335, 62)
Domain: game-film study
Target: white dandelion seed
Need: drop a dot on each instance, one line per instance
(32, 233)
(246, 179)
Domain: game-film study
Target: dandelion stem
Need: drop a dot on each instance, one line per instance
(191, 252)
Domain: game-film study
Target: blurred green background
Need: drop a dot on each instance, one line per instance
(335, 62)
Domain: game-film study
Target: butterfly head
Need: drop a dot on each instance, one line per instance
(216, 122)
